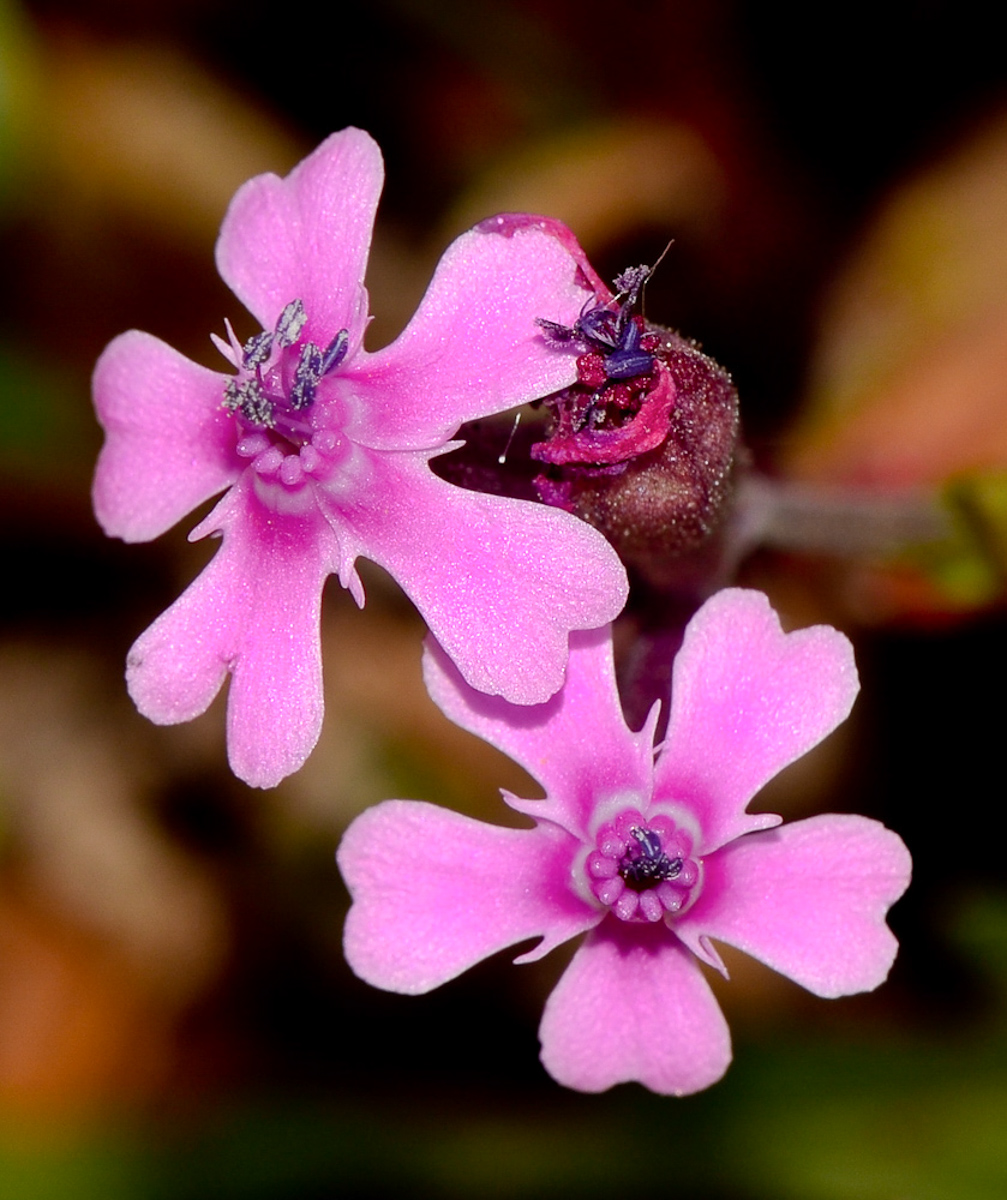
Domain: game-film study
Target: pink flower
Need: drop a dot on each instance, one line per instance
(324, 449)
(652, 854)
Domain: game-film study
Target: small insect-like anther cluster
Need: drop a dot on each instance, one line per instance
(263, 390)
(645, 865)
(618, 347)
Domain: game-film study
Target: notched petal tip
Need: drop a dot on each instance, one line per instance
(473, 347)
(253, 612)
(633, 1006)
(169, 681)
(306, 236)
(168, 444)
(748, 618)
(809, 899)
(435, 892)
(740, 681)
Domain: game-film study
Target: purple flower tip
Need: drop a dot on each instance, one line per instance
(652, 854)
(323, 449)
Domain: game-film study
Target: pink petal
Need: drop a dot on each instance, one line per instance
(746, 700)
(500, 582)
(809, 899)
(633, 1005)
(434, 893)
(576, 744)
(306, 237)
(254, 611)
(169, 443)
(473, 347)
(508, 224)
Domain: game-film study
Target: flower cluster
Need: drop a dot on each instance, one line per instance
(322, 450)
(650, 851)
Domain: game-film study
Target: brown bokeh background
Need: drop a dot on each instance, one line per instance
(176, 1019)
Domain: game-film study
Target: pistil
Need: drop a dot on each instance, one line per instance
(642, 868)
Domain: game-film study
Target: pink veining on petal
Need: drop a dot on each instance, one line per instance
(435, 892)
(169, 446)
(809, 899)
(306, 236)
(747, 700)
(491, 576)
(633, 1006)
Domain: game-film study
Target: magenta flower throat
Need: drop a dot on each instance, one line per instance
(324, 450)
(650, 852)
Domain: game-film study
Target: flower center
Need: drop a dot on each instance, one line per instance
(641, 867)
(272, 395)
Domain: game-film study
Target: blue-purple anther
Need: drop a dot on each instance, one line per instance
(645, 864)
(306, 377)
(256, 350)
(263, 398)
(290, 322)
(611, 330)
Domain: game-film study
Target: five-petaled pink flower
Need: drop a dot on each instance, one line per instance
(652, 853)
(325, 450)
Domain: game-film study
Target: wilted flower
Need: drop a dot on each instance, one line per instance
(651, 852)
(324, 449)
(643, 445)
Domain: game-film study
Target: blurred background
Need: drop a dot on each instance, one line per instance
(176, 1019)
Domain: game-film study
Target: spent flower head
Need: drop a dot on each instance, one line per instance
(643, 444)
(323, 449)
(649, 851)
